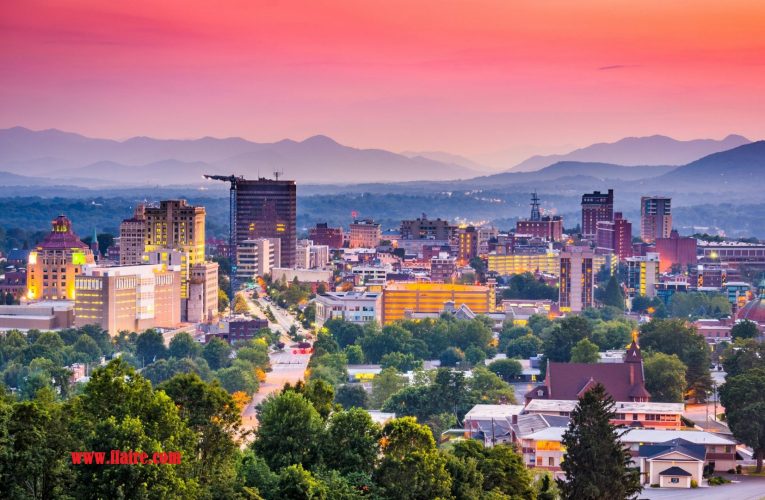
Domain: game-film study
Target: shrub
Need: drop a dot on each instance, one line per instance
(694, 483)
(655, 485)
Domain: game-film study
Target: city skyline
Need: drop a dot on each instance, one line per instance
(517, 79)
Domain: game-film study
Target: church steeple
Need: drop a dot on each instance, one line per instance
(633, 351)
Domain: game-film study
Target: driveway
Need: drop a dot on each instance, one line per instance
(745, 488)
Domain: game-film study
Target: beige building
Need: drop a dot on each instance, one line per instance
(547, 262)
(131, 298)
(364, 234)
(257, 258)
(202, 304)
(133, 234)
(402, 298)
(356, 307)
(54, 263)
(577, 283)
(44, 315)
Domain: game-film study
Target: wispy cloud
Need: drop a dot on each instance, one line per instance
(617, 66)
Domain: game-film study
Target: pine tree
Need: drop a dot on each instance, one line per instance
(613, 295)
(596, 463)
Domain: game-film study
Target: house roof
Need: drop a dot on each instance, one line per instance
(623, 381)
(675, 471)
(677, 445)
(534, 422)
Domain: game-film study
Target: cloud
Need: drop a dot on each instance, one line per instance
(617, 66)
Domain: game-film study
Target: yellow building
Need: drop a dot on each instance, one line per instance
(519, 263)
(431, 297)
(55, 262)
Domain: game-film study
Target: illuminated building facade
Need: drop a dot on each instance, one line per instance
(643, 275)
(364, 234)
(400, 298)
(676, 251)
(466, 241)
(546, 262)
(577, 283)
(267, 208)
(655, 218)
(54, 263)
(131, 298)
(132, 240)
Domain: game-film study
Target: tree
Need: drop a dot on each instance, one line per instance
(289, 431)
(236, 378)
(527, 286)
(399, 361)
(743, 397)
(354, 354)
(664, 377)
(88, 348)
(745, 330)
(564, 335)
(640, 303)
(344, 332)
(222, 300)
(216, 352)
(386, 384)
(240, 305)
(743, 355)
(474, 355)
(182, 345)
(613, 295)
(502, 468)
(150, 346)
(452, 357)
(351, 395)
(524, 347)
(596, 463)
(352, 442)
(296, 483)
(538, 323)
(585, 351)
(507, 369)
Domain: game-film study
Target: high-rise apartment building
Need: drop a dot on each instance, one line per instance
(267, 208)
(426, 229)
(443, 268)
(643, 275)
(577, 281)
(655, 218)
(364, 234)
(615, 236)
(596, 207)
(257, 258)
(466, 241)
(54, 263)
(322, 234)
(131, 298)
(133, 235)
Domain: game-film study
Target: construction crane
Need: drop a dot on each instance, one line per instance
(234, 181)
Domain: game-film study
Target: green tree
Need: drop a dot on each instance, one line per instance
(289, 431)
(182, 345)
(613, 295)
(256, 477)
(352, 396)
(150, 346)
(743, 397)
(344, 332)
(452, 356)
(352, 442)
(502, 468)
(216, 352)
(296, 483)
(237, 378)
(527, 286)
(474, 355)
(388, 382)
(507, 369)
(88, 347)
(745, 330)
(563, 337)
(585, 351)
(354, 354)
(743, 355)
(596, 463)
(664, 377)
(524, 347)
(399, 361)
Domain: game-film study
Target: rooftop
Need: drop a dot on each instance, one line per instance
(558, 405)
(493, 411)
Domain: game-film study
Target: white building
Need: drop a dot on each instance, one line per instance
(356, 307)
(643, 275)
(371, 272)
(257, 257)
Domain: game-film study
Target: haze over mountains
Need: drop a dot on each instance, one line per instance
(53, 157)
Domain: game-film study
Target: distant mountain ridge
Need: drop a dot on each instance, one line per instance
(636, 151)
(143, 160)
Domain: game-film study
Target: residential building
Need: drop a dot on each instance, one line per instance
(466, 241)
(426, 229)
(202, 303)
(672, 464)
(596, 207)
(131, 298)
(568, 381)
(443, 268)
(647, 415)
(364, 233)
(643, 275)
(538, 260)
(398, 298)
(322, 234)
(267, 208)
(615, 236)
(257, 258)
(133, 237)
(655, 218)
(54, 263)
(492, 424)
(355, 307)
(676, 252)
(577, 283)
(549, 228)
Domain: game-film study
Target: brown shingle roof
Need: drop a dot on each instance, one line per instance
(623, 381)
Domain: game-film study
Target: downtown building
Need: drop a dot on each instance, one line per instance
(549, 228)
(266, 208)
(356, 307)
(676, 251)
(53, 264)
(401, 299)
(535, 260)
(364, 233)
(596, 207)
(256, 258)
(128, 298)
(322, 234)
(577, 281)
(426, 229)
(615, 236)
(643, 275)
(655, 218)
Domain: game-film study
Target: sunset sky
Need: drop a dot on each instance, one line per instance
(472, 77)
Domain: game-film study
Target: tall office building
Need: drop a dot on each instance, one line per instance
(256, 258)
(132, 238)
(655, 218)
(267, 208)
(577, 282)
(596, 207)
(615, 236)
(54, 263)
(643, 275)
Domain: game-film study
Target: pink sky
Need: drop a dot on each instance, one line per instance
(466, 77)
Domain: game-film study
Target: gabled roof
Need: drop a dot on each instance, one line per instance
(675, 471)
(534, 422)
(623, 381)
(678, 445)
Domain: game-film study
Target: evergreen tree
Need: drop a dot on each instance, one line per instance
(596, 463)
(613, 295)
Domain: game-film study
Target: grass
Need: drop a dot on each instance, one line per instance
(749, 471)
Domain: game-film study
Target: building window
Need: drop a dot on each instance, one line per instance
(551, 461)
(674, 480)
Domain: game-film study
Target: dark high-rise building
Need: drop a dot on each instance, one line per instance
(655, 218)
(615, 236)
(596, 207)
(266, 208)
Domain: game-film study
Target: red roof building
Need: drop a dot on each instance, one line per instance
(569, 381)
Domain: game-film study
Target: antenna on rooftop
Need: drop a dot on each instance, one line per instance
(277, 173)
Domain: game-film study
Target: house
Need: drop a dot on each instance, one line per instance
(647, 415)
(569, 381)
(492, 424)
(672, 464)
